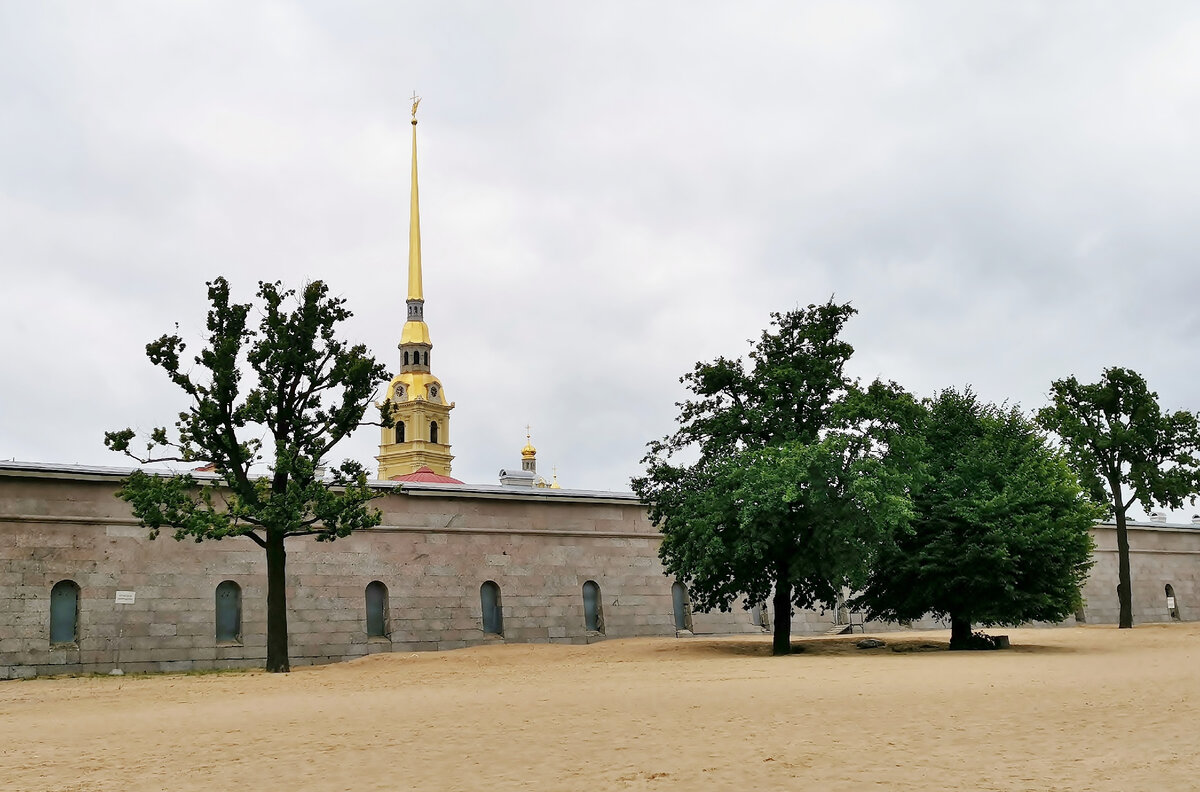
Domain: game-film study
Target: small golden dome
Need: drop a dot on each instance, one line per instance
(528, 452)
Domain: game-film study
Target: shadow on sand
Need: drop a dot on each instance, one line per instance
(846, 645)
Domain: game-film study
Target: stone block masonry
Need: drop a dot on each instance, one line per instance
(433, 552)
(437, 546)
(1160, 555)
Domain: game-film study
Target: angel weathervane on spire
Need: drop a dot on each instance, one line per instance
(416, 100)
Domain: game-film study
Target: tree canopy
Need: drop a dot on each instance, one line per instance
(307, 390)
(1000, 527)
(792, 488)
(1125, 450)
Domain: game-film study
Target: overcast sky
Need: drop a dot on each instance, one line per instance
(1008, 192)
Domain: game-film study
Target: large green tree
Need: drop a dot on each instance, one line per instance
(777, 482)
(1126, 450)
(1000, 532)
(267, 441)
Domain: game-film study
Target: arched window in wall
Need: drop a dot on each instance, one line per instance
(493, 616)
(760, 615)
(377, 610)
(679, 603)
(593, 608)
(426, 358)
(433, 431)
(229, 613)
(406, 358)
(399, 431)
(1172, 603)
(64, 612)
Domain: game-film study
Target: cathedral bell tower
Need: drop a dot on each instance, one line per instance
(421, 437)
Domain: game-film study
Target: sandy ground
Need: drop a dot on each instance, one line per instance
(1089, 708)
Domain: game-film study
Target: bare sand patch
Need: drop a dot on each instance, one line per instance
(1088, 708)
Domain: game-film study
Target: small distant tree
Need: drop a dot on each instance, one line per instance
(1125, 450)
(792, 488)
(308, 391)
(999, 533)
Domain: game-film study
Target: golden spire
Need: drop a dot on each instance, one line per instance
(415, 291)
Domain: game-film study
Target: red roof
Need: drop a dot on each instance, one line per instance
(426, 475)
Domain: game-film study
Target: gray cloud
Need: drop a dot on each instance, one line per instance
(1006, 192)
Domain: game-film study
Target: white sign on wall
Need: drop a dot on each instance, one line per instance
(1170, 603)
(125, 597)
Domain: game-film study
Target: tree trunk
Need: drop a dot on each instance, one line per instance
(1124, 593)
(782, 642)
(960, 632)
(277, 629)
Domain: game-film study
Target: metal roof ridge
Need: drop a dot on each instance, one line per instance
(65, 470)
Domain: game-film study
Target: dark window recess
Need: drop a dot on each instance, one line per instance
(679, 603)
(64, 612)
(377, 610)
(433, 431)
(229, 612)
(493, 616)
(399, 431)
(593, 608)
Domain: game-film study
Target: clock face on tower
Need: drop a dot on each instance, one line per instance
(398, 394)
(433, 391)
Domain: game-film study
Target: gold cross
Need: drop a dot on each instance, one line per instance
(416, 100)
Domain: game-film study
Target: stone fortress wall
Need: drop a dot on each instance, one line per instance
(1161, 556)
(437, 547)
